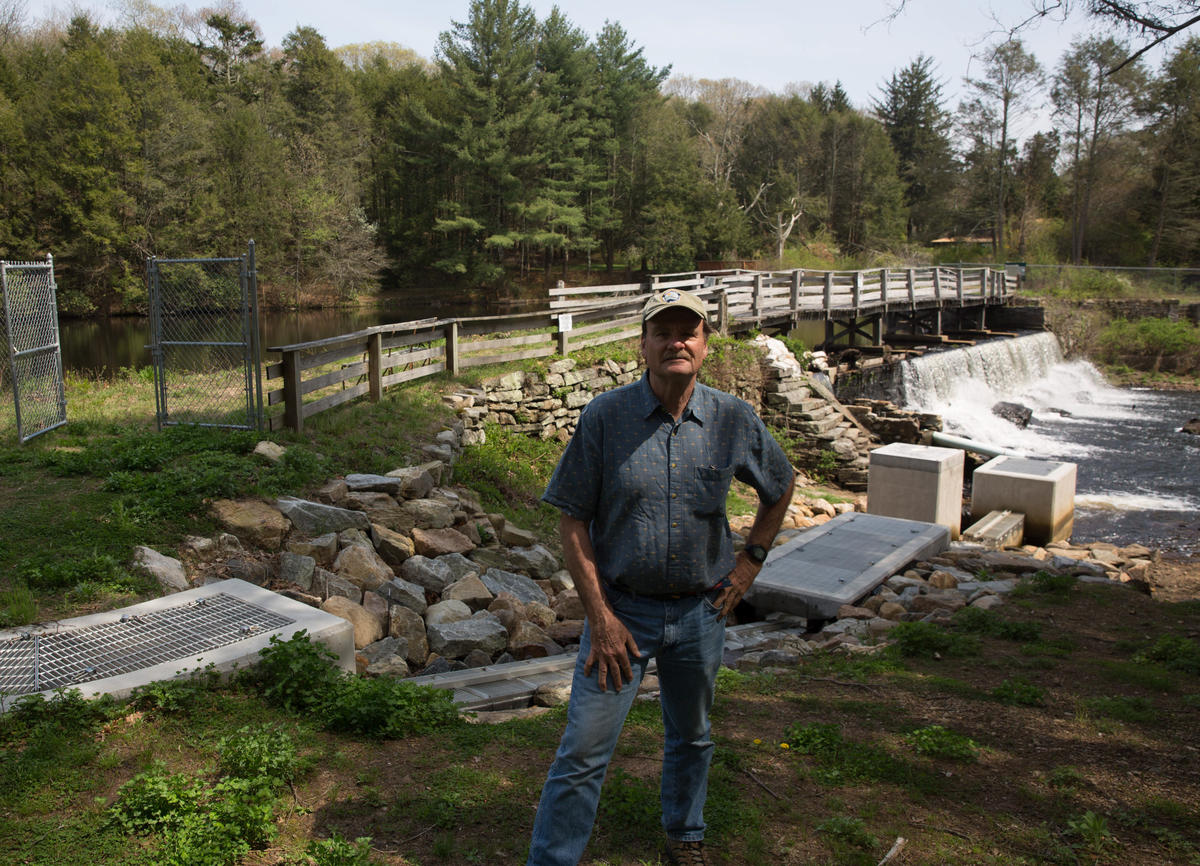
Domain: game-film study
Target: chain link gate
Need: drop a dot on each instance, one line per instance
(32, 366)
(204, 341)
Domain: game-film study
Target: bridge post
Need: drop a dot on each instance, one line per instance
(756, 297)
(856, 292)
(794, 293)
(883, 288)
(937, 283)
(828, 296)
(911, 278)
(983, 281)
(723, 312)
(293, 409)
(959, 285)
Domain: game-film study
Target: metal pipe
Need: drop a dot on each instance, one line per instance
(948, 441)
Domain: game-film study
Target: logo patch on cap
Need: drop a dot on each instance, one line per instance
(670, 296)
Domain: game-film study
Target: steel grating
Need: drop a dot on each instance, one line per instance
(51, 660)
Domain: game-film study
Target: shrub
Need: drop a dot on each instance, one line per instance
(1174, 652)
(848, 831)
(386, 707)
(975, 620)
(1019, 692)
(336, 851)
(156, 800)
(296, 674)
(926, 639)
(263, 752)
(938, 742)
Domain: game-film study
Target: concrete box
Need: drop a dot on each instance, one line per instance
(917, 482)
(1042, 490)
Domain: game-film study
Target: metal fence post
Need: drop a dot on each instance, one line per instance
(252, 287)
(453, 361)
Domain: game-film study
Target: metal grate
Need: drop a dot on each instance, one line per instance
(38, 662)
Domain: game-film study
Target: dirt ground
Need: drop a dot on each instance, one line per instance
(1103, 769)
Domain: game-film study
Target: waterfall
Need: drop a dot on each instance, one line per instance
(962, 385)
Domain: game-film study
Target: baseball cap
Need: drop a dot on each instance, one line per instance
(671, 298)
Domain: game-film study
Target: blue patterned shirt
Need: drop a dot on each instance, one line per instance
(653, 489)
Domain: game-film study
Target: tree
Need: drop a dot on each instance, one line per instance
(233, 45)
(1173, 136)
(1010, 80)
(919, 128)
(1093, 108)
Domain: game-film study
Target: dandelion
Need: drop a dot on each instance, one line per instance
(757, 741)
(784, 746)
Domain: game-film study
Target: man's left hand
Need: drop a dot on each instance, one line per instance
(739, 581)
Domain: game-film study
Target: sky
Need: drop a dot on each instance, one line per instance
(770, 43)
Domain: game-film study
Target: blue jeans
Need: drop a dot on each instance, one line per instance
(687, 637)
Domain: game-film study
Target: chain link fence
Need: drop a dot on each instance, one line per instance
(205, 346)
(31, 379)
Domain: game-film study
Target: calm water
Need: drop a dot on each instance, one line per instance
(1138, 477)
(104, 346)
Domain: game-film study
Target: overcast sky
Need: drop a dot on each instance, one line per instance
(770, 43)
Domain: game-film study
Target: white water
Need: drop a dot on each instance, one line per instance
(1138, 479)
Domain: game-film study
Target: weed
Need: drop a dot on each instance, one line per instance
(509, 473)
(1058, 647)
(166, 697)
(386, 707)
(1144, 674)
(336, 851)
(928, 640)
(938, 742)
(1018, 691)
(629, 809)
(1092, 829)
(18, 606)
(296, 674)
(1065, 777)
(841, 761)
(975, 620)
(258, 752)
(156, 800)
(848, 831)
(1043, 584)
(1123, 709)
(1173, 652)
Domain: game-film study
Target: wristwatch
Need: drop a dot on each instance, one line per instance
(756, 552)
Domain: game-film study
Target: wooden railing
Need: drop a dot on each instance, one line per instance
(333, 371)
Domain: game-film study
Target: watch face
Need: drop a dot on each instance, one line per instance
(757, 552)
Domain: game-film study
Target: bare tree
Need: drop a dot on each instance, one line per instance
(1154, 20)
(12, 16)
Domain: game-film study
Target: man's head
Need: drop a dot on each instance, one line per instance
(675, 333)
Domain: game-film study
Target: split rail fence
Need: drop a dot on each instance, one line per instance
(318, 375)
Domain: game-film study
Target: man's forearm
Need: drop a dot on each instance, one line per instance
(580, 560)
(769, 518)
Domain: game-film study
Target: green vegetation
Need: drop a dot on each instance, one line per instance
(938, 742)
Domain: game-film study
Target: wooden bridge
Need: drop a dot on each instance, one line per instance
(859, 308)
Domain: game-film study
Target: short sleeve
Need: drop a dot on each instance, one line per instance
(764, 466)
(574, 488)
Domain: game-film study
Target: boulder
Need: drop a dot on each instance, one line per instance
(469, 590)
(249, 570)
(891, 610)
(517, 585)
(297, 569)
(388, 484)
(270, 451)
(323, 548)
(350, 537)
(425, 513)
(568, 605)
(439, 542)
(410, 627)
(314, 518)
(553, 694)
(943, 580)
(376, 605)
(1014, 413)
(336, 585)
(167, 570)
(362, 566)
(476, 658)
(1191, 426)
(540, 615)
(515, 537)
(530, 642)
(447, 611)
(400, 592)
(379, 507)
(333, 492)
(392, 546)
(415, 482)
(568, 631)
(459, 565)
(252, 521)
(849, 611)
(535, 559)
(456, 639)
(367, 628)
(433, 574)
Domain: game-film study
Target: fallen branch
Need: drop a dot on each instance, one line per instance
(762, 785)
(866, 686)
(895, 852)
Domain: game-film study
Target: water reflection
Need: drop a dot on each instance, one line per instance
(104, 346)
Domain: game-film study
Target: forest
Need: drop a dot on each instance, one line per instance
(526, 149)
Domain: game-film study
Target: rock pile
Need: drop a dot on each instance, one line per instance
(964, 575)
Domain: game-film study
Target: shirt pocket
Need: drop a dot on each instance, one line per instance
(711, 486)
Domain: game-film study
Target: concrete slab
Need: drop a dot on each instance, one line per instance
(1042, 490)
(997, 529)
(840, 562)
(224, 624)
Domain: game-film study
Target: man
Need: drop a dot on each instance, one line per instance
(642, 489)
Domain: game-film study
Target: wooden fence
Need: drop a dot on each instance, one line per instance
(329, 372)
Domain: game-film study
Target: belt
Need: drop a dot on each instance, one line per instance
(669, 596)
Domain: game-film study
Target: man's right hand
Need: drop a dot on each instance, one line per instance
(611, 650)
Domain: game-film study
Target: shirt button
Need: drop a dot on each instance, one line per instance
(674, 524)
(674, 495)
(672, 465)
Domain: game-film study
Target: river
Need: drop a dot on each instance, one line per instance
(1138, 476)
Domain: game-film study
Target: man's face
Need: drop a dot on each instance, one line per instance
(674, 344)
